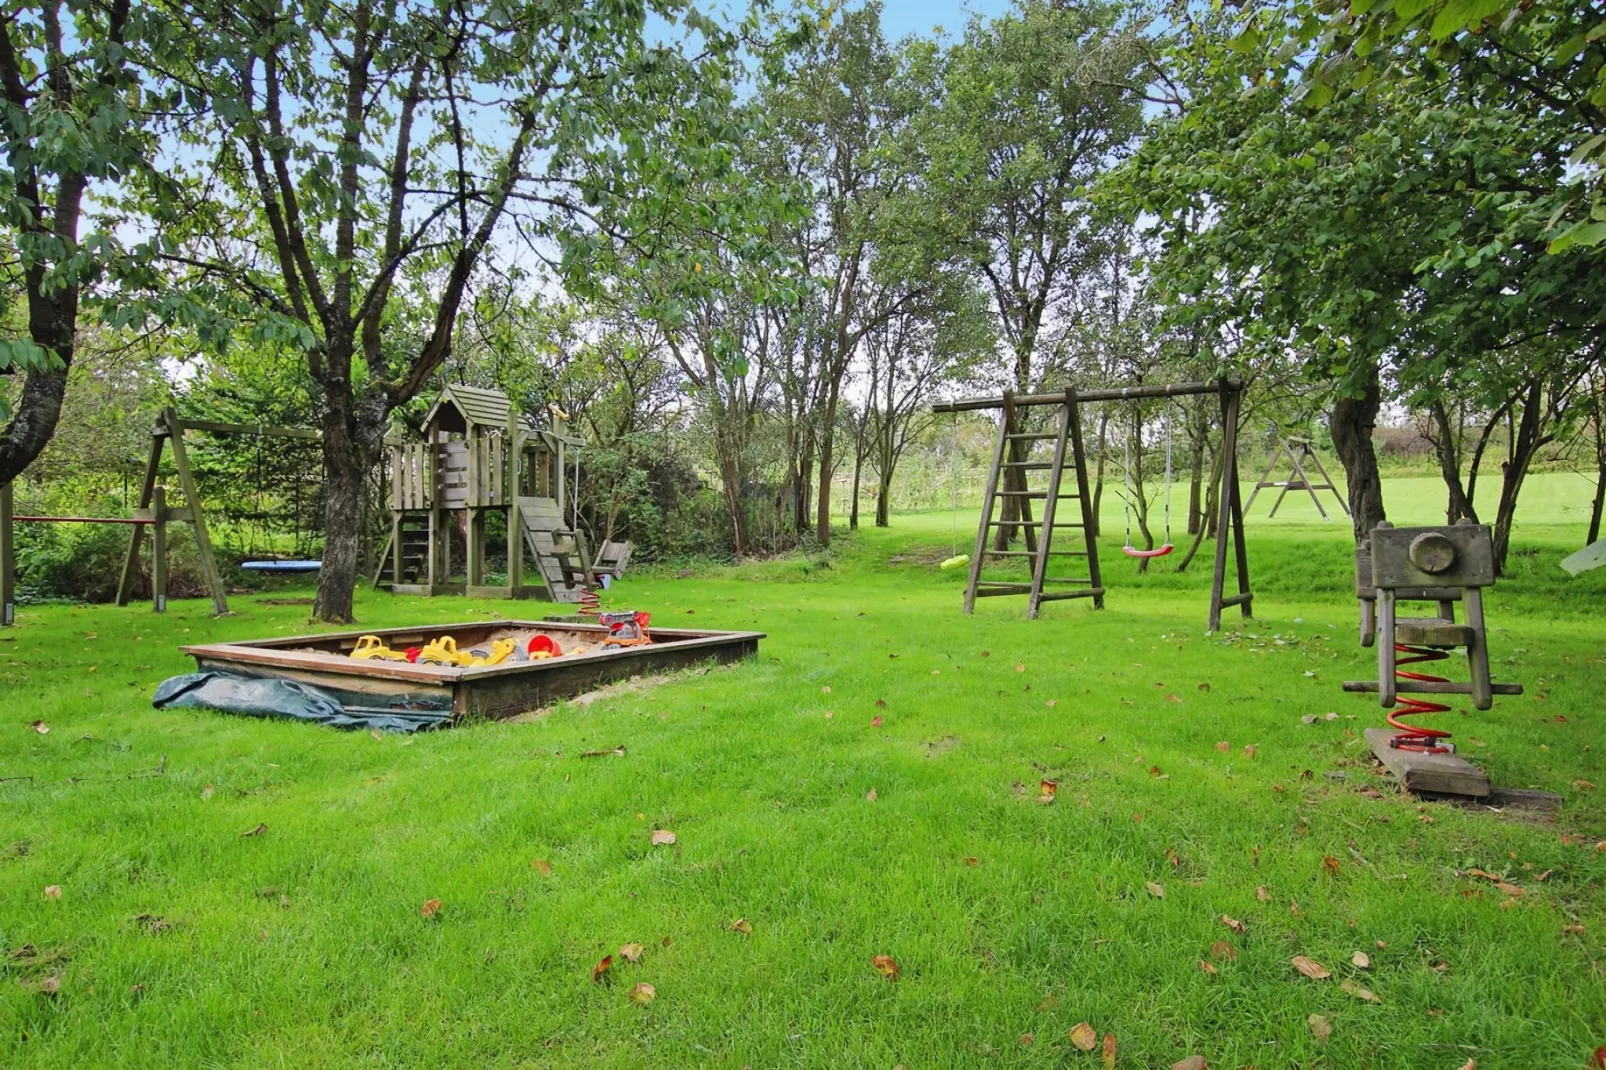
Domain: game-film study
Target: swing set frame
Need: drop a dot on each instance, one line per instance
(1230, 509)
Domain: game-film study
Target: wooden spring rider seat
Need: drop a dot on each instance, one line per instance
(1442, 565)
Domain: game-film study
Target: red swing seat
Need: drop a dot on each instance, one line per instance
(1159, 551)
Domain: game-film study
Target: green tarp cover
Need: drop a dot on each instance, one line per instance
(274, 697)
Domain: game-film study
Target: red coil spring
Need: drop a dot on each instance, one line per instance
(1416, 737)
(590, 603)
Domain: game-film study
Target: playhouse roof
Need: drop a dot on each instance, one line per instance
(487, 408)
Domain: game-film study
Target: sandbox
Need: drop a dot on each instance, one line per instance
(491, 691)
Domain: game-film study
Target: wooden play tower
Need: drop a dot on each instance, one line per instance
(480, 456)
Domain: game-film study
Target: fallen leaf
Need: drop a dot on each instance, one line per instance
(829, 715)
(1107, 1056)
(1027, 1040)
(885, 966)
(1597, 1061)
(1249, 750)
(1262, 895)
(1362, 960)
(881, 703)
(1084, 1036)
(1583, 785)
(632, 952)
(376, 733)
(1192, 1062)
(1470, 1064)
(1207, 968)
(601, 968)
(1330, 864)
(1049, 787)
(1156, 890)
(52, 891)
(259, 830)
(643, 993)
(743, 926)
(1204, 687)
(875, 722)
(662, 837)
(1051, 703)
(1509, 888)
(870, 796)
(1320, 1028)
(430, 908)
(1573, 930)
(1311, 968)
(40, 727)
(1020, 668)
(1358, 992)
(1223, 746)
(1172, 698)
(1293, 908)
(825, 690)
(1223, 950)
(1232, 923)
(972, 862)
(542, 866)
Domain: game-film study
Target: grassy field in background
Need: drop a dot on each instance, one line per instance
(178, 941)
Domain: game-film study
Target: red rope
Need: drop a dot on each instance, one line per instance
(1416, 737)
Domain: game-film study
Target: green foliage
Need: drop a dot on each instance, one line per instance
(1543, 61)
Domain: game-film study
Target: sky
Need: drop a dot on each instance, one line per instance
(899, 18)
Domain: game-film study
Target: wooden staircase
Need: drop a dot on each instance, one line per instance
(1012, 466)
(413, 530)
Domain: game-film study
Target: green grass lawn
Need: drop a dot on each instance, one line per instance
(177, 941)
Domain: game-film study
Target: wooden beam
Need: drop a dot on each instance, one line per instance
(153, 463)
(219, 427)
(1121, 393)
(159, 552)
(192, 499)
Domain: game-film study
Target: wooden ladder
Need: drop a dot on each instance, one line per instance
(1011, 465)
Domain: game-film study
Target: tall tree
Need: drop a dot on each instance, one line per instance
(1034, 105)
(343, 172)
(72, 128)
(836, 110)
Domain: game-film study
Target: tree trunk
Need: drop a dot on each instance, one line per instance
(1098, 473)
(346, 462)
(1598, 411)
(1196, 451)
(1528, 438)
(822, 522)
(1206, 529)
(883, 508)
(1351, 424)
(1457, 505)
(858, 469)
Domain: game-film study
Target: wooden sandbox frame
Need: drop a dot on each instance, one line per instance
(489, 691)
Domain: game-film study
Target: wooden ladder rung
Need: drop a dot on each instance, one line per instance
(1034, 553)
(1029, 524)
(1033, 436)
(1035, 494)
(1038, 466)
(1057, 596)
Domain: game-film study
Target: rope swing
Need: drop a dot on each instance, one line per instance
(1165, 547)
(953, 511)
